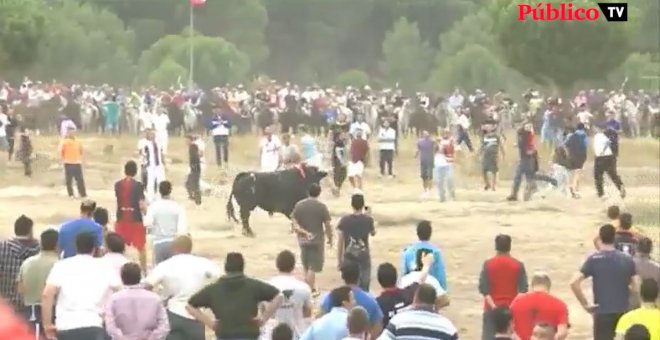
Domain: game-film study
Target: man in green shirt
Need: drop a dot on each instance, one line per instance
(32, 278)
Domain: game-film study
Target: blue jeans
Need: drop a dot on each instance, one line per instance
(221, 149)
(525, 168)
(445, 176)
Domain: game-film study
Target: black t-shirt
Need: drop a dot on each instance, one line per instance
(356, 228)
(625, 242)
(392, 301)
(339, 147)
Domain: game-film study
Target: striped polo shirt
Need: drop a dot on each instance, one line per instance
(419, 323)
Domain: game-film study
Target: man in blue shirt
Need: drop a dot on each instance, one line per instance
(85, 224)
(350, 273)
(409, 256)
(333, 324)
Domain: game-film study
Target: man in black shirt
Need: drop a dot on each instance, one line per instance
(234, 301)
(625, 240)
(353, 233)
(193, 180)
(339, 162)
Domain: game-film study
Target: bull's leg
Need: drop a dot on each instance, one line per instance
(245, 220)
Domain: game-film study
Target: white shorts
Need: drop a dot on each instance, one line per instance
(355, 169)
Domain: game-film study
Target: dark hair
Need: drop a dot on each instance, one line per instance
(101, 216)
(87, 207)
(606, 234)
(637, 332)
(314, 190)
(165, 188)
(357, 201)
(85, 243)
(340, 295)
(426, 294)
(350, 273)
(49, 240)
(282, 332)
(115, 243)
(386, 275)
(503, 243)
(645, 246)
(23, 226)
(424, 230)
(649, 290)
(501, 317)
(131, 274)
(418, 257)
(625, 221)
(613, 212)
(234, 263)
(285, 262)
(130, 169)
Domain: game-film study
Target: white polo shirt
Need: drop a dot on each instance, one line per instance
(297, 294)
(602, 145)
(84, 282)
(181, 276)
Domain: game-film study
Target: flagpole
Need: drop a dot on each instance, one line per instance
(191, 62)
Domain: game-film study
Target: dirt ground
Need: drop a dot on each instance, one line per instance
(551, 234)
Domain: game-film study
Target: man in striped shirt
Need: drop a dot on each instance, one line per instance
(421, 321)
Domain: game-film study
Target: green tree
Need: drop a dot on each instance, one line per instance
(474, 28)
(560, 52)
(639, 69)
(169, 73)
(355, 78)
(22, 28)
(215, 59)
(406, 57)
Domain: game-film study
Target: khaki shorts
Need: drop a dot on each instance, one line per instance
(312, 257)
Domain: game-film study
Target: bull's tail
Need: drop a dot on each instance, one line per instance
(231, 214)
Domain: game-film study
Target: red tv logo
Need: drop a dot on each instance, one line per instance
(567, 12)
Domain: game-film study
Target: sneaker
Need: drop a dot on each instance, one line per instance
(512, 198)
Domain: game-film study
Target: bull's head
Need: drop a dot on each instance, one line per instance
(313, 174)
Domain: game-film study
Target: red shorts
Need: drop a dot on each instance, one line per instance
(133, 233)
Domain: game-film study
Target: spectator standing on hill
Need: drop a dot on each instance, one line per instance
(165, 219)
(502, 278)
(130, 206)
(612, 273)
(645, 266)
(420, 321)
(85, 224)
(353, 233)
(350, 274)
(538, 306)
(312, 224)
(647, 315)
(297, 305)
(358, 324)
(409, 255)
(180, 277)
(134, 312)
(332, 325)
(605, 162)
(71, 151)
(234, 301)
(13, 252)
(32, 279)
(425, 151)
(81, 283)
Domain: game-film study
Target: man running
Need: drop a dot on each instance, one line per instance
(359, 154)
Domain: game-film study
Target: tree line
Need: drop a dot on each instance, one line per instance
(417, 44)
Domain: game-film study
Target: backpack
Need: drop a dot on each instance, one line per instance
(356, 249)
(625, 242)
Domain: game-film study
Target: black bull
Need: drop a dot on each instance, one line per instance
(273, 192)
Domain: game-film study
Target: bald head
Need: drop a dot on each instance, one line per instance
(182, 245)
(541, 280)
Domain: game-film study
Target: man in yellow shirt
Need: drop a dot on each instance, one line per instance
(71, 151)
(648, 315)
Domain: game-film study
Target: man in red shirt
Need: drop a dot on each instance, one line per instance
(359, 152)
(11, 326)
(130, 206)
(538, 306)
(502, 278)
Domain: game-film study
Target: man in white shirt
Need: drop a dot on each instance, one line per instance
(81, 283)
(161, 121)
(296, 309)
(360, 125)
(386, 146)
(463, 128)
(269, 149)
(181, 276)
(154, 164)
(605, 162)
(584, 116)
(4, 142)
(165, 220)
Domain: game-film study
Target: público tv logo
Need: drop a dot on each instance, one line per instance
(567, 12)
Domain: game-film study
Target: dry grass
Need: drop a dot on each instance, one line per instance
(552, 234)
